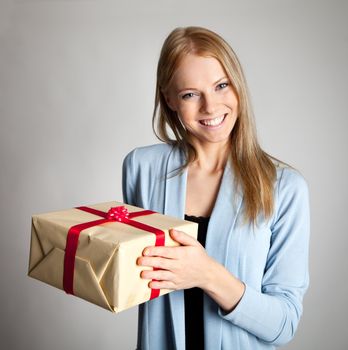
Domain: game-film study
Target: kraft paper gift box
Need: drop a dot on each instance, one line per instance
(98, 261)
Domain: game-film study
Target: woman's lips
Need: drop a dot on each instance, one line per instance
(214, 122)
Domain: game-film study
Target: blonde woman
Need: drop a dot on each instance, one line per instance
(241, 284)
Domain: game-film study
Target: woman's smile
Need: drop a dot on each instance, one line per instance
(213, 123)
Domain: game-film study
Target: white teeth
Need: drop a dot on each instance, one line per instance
(212, 122)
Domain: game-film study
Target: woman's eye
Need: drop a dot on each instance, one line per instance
(222, 85)
(187, 96)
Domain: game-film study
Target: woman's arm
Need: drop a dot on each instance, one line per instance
(222, 286)
(273, 313)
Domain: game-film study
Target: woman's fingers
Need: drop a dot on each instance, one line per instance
(183, 238)
(172, 252)
(166, 252)
(158, 262)
(161, 275)
(162, 285)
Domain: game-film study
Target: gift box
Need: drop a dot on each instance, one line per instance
(91, 251)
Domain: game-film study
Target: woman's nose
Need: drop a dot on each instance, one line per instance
(209, 103)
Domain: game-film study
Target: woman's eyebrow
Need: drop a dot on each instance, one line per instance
(189, 88)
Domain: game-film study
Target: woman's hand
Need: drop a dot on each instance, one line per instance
(180, 267)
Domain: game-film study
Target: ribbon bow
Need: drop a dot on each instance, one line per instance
(118, 213)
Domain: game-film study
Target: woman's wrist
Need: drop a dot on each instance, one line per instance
(222, 286)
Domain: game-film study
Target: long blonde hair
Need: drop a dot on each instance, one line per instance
(253, 168)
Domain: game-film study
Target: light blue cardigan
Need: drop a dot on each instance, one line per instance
(272, 259)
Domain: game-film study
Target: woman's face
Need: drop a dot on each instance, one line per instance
(203, 98)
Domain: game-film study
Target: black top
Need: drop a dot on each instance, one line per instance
(194, 329)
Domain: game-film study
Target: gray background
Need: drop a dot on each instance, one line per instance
(76, 94)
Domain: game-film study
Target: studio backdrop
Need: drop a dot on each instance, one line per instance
(77, 82)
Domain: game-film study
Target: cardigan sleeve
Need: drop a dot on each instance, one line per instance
(129, 197)
(273, 313)
(128, 179)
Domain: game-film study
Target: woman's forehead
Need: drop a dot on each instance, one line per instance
(194, 69)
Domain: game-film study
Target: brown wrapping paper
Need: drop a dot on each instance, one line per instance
(106, 273)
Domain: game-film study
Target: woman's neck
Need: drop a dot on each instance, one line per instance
(212, 157)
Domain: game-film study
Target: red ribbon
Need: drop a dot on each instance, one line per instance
(119, 214)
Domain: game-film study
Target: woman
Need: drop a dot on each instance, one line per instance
(241, 284)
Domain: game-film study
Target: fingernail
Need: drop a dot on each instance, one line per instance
(146, 252)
